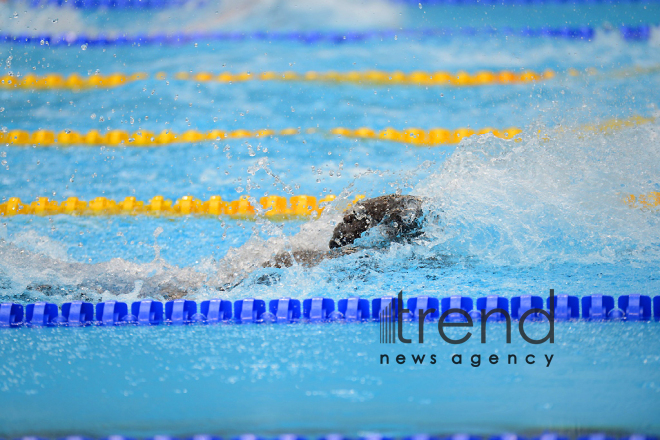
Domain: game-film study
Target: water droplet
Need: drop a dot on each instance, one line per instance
(83, 47)
(420, 6)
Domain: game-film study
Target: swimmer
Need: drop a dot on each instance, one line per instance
(399, 218)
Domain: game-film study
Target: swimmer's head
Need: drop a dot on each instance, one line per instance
(398, 216)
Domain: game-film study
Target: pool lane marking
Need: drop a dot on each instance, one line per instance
(77, 82)
(276, 208)
(637, 32)
(413, 136)
(144, 138)
(646, 202)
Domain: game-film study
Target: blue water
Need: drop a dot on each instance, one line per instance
(314, 379)
(503, 217)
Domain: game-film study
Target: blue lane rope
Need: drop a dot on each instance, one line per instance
(583, 33)
(597, 307)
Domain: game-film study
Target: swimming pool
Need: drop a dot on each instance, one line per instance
(314, 379)
(505, 217)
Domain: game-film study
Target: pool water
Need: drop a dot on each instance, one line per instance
(506, 217)
(314, 379)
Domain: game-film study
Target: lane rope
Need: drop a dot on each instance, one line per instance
(414, 136)
(54, 81)
(144, 138)
(646, 202)
(638, 32)
(562, 307)
(274, 207)
(617, 124)
(77, 82)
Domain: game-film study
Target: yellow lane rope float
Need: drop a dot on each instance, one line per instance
(376, 77)
(645, 201)
(71, 82)
(461, 78)
(274, 207)
(608, 126)
(617, 124)
(416, 136)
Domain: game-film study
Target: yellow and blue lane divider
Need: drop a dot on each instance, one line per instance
(75, 81)
(274, 207)
(144, 138)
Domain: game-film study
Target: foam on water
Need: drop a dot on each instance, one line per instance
(553, 196)
(33, 276)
